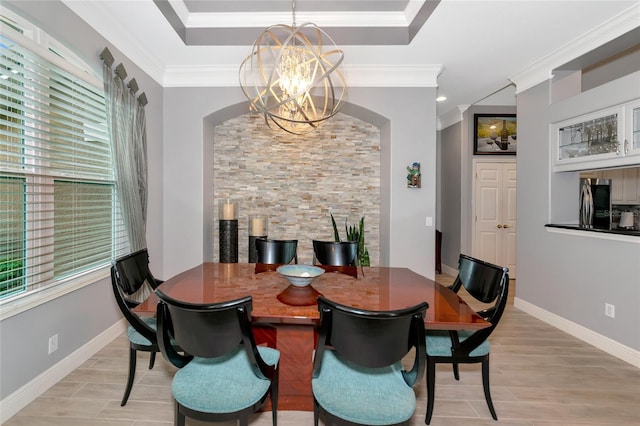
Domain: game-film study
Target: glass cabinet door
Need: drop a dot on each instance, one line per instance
(602, 139)
(632, 142)
(597, 136)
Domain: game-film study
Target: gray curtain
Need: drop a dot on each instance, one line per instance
(129, 143)
(127, 126)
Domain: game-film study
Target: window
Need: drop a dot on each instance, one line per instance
(12, 233)
(59, 215)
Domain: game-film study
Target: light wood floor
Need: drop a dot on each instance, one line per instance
(539, 376)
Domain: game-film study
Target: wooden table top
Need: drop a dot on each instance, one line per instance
(378, 288)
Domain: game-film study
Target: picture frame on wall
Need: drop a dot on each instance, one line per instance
(495, 134)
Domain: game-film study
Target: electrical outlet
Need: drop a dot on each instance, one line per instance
(53, 344)
(610, 310)
(429, 221)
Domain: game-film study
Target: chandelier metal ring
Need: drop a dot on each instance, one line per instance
(293, 77)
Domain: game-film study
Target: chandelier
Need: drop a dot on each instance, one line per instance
(293, 77)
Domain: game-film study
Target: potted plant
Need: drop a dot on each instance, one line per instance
(353, 233)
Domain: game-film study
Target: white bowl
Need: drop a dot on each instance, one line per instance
(300, 275)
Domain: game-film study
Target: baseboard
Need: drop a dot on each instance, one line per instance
(601, 342)
(448, 270)
(36, 387)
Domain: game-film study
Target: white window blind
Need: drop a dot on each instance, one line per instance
(58, 211)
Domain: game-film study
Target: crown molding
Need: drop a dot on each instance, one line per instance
(238, 26)
(355, 75)
(542, 70)
(102, 20)
(452, 117)
(227, 75)
(393, 75)
(320, 18)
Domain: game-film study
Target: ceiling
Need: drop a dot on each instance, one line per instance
(469, 49)
(352, 22)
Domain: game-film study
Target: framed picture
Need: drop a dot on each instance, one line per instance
(495, 134)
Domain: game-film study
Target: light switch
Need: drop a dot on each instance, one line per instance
(429, 221)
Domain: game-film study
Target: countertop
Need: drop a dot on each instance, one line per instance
(598, 230)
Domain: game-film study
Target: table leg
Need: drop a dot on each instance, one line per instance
(295, 343)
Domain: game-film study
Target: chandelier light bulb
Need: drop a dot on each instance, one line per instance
(294, 71)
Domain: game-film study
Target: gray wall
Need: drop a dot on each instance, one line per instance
(407, 134)
(617, 67)
(571, 276)
(457, 182)
(76, 318)
(466, 218)
(450, 187)
(567, 275)
(83, 314)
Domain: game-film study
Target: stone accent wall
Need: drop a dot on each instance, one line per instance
(297, 180)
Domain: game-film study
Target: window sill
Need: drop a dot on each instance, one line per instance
(19, 304)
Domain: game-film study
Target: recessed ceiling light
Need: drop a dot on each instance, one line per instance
(441, 98)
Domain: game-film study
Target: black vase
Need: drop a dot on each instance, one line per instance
(228, 241)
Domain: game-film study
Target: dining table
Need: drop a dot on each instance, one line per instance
(285, 317)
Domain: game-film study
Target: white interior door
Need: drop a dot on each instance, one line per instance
(494, 236)
(509, 185)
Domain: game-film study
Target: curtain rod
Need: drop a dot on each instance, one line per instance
(121, 72)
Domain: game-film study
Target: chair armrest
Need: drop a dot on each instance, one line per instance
(260, 368)
(168, 351)
(419, 363)
(323, 333)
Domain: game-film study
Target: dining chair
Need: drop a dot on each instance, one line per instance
(128, 276)
(358, 375)
(336, 256)
(222, 374)
(488, 284)
(277, 252)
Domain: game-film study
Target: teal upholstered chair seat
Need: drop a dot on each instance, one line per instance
(368, 396)
(223, 375)
(439, 343)
(222, 385)
(136, 338)
(358, 376)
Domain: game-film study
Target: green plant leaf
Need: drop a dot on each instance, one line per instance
(336, 236)
(364, 260)
(352, 232)
(361, 238)
(346, 229)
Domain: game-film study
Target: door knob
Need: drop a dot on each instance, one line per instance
(505, 226)
(499, 226)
